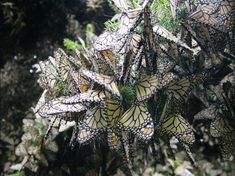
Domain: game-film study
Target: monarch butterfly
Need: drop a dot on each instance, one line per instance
(174, 7)
(229, 137)
(134, 50)
(166, 79)
(105, 41)
(172, 53)
(163, 65)
(137, 119)
(227, 149)
(104, 80)
(129, 20)
(179, 89)
(55, 69)
(49, 75)
(146, 87)
(220, 126)
(111, 40)
(133, 56)
(121, 45)
(150, 41)
(114, 140)
(149, 37)
(94, 122)
(65, 125)
(217, 14)
(53, 122)
(189, 153)
(208, 113)
(75, 61)
(227, 145)
(108, 54)
(89, 96)
(114, 111)
(55, 107)
(209, 6)
(218, 38)
(85, 135)
(96, 119)
(62, 62)
(132, 70)
(163, 32)
(42, 100)
(78, 82)
(123, 5)
(83, 58)
(106, 64)
(135, 44)
(127, 150)
(177, 126)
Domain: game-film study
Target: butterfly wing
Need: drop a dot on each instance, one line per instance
(137, 119)
(45, 97)
(208, 113)
(216, 14)
(180, 89)
(63, 63)
(128, 21)
(220, 126)
(123, 5)
(78, 82)
(56, 107)
(163, 32)
(103, 80)
(105, 41)
(174, 7)
(177, 126)
(107, 63)
(114, 111)
(85, 135)
(94, 122)
(90, 96)
(114, 140)
(49, 75)
(146, 87)
(227, 146)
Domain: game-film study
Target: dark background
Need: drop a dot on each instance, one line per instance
(30, 30)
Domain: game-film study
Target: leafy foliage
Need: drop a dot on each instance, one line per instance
(70, 45)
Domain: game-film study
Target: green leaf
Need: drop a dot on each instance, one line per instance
(90, 28)
(177, 163)
(71, 45)
(40, 127)
(15, 174)
(112, 24)
(128, 94)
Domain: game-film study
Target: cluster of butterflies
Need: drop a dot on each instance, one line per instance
(215, 13)
(133, 83)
